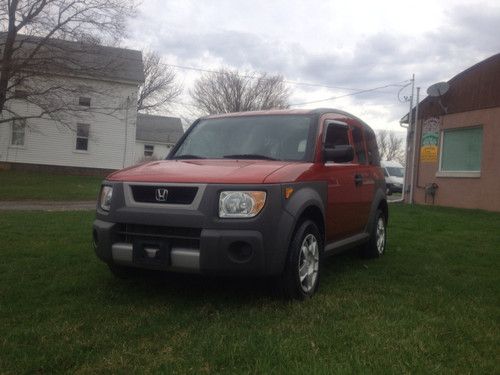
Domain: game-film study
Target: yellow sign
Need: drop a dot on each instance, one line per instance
(429, 154)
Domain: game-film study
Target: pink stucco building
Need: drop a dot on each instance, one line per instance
(458, 142)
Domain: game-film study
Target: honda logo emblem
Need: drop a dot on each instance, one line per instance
(161, 195)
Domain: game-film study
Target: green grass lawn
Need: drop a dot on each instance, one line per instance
(431, 305)
(43, 186)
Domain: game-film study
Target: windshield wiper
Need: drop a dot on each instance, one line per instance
(188, 156)
(248, 156)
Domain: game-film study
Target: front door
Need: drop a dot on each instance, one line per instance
(342, 218)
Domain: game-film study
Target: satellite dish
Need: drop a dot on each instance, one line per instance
(438, 89)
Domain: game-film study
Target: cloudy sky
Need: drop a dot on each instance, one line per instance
(325, 49)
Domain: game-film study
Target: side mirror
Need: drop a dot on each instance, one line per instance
(339, 154)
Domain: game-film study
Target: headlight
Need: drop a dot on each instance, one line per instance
(105, 197)
(241, 203)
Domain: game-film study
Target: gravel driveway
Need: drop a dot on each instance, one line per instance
(47, 206)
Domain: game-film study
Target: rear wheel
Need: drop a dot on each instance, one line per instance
(375, 247)
(300, 279)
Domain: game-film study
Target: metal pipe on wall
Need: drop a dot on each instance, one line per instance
(415, 131)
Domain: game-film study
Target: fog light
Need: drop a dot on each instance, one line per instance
(240, 252)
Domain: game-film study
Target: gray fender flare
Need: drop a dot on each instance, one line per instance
(314, 195)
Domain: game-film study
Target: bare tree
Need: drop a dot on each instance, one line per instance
(391, 147)
(34, 44)
(160, 87)
(229, 91)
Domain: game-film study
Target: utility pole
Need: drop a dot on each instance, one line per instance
(408, 167)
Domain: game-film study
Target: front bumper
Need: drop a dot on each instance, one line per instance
(196, 239)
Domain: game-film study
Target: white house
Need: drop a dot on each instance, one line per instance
(99, 131)
(155, 136)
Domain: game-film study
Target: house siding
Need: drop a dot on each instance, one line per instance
(161, 150)
(48, 142)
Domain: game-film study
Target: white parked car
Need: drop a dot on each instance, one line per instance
(394, 176)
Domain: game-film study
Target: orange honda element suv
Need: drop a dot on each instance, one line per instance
(267, 193)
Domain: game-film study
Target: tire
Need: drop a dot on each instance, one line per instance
(123, 272)
(375, 247)
(300, 279)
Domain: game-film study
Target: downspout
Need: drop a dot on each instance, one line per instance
(126, 131)
(413, 169)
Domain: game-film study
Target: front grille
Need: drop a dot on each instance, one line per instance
(177, 236)
(159, 231)
(174, 194)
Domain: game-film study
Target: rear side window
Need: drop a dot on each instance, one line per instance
(359, 144)
(371, 144)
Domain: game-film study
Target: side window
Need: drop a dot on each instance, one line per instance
(371, 144)
(82, 137)
(149, 150)
(385, 173)
(462, 150)
(359, 144)
(84, 101)
(336, 135)
(18, 133)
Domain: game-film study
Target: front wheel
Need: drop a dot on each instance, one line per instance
(300, 278)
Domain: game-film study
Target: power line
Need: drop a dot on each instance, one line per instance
(356, 91)
(298, 83)
(351, 94)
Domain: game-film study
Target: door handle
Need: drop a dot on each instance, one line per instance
(358, 179)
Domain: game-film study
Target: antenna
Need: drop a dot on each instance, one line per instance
(437, 90)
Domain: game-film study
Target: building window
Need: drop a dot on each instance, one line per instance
(84, 101)
(461, 150)
(82, 137)
(18, 133)
(20, 94)
(149, 150)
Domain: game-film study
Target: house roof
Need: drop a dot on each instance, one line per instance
(158, 129)
(474, 88)
(64, 57)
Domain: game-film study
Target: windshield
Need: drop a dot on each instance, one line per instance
(396, 171)
(280, 137)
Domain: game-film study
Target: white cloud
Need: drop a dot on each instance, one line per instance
(359, 44)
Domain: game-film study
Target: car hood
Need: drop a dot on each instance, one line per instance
(201, 171)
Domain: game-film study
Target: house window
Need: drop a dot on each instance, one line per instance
(84, 101)
(149, 150)
(18, 133)
(82, 137)
(20, 94)
(461, 150)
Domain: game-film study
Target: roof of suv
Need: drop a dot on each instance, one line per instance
(317, 111)
(279, 112)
